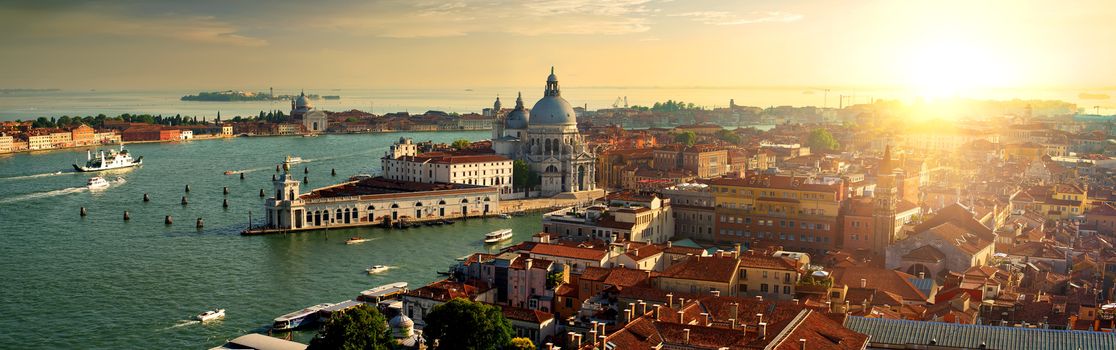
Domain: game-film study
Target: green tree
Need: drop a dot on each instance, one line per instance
(687, 138)
(464, 324)
(362, 327)
(521, 343)
(820, 139)
(521, 173)
(461, 144)
(729, 136)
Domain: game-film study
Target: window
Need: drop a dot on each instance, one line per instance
(765, 275)
(763, 288)
(786, 289)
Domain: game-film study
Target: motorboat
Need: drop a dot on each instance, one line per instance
(498, 236)
(298, 318)
(357, 240)
(109, 161)
(211, 315)
(504, 216)
(376, 269)
(293, 159)
(231, 172)
(97, 182)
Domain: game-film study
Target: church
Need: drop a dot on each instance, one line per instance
(546, 137)
(313, 120)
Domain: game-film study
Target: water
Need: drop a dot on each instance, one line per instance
(31, 105)
(99, 282)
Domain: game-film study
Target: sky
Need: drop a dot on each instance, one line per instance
(932, 46)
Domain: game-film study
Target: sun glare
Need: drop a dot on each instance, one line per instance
(947, 68)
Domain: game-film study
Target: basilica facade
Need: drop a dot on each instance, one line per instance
(546, 137)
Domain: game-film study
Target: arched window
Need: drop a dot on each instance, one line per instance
(371, 208)
(394, 205)
(338, 216)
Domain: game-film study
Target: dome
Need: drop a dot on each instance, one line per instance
(553, 110)
(302, 101)
(401, 326)
(518, 117)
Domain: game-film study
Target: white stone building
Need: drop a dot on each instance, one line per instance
(546, 137)
(403, 162)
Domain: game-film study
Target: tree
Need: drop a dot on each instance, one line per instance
(820, 139)
(464, 324)
(521, 343)
(461, 144)
(729, 136)
(362, 327)
(687, 138)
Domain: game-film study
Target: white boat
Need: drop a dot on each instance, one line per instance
(112, 160)
(298, 318)
(97, 182)
(504, 216)
(211, 315)
(376, 269)
(293, 160)
(498, 236)
(357, 240)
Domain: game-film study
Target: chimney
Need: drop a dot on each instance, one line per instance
(863, 283)
(655, 312)
(681, 317)
(601, 340)
(528, 263)
(759, 298)
(669, 244)
(922, 275)
(737, 246)
(705, 316)
(627, 317)
(732, 323)
(593, 335)
(734, 310)
(802, 343)
(602, 331)
(686, 336)
(642, 307)
(762, 331)
(715, 293)
(549, 346)
(759, 318)
(670, 300)
(795, 301)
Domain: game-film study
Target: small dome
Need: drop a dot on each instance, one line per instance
(553, 110)
(518, 117)
(401, 321)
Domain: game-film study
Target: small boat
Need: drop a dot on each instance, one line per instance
(357, 240)
(504, 216)
(231, 172)
(97, 182)
(376, 269)
(112, 160)
(292, 159)
(498, 236)
(211, 315)
(298, 318)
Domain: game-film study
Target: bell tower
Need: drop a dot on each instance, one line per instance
(884, 206)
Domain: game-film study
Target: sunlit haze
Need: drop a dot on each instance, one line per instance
(932, 49)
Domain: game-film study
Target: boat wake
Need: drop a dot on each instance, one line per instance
(182, 323)
(38, 195)
(24, 177)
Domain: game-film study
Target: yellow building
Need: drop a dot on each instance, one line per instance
(1059, 201)
(796, 212)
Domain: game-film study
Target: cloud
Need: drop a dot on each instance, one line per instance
(723, 18)
(84, 24)
(533, 17)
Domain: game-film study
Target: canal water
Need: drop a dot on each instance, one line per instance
(99, 282)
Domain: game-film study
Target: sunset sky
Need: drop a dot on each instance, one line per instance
(934, 46)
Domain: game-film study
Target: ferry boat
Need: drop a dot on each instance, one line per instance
(376, 269)
(112, 160)
(211, 315)
(298, 318)
(97, 182)
(498, 236)
(357, 240)
(383, 292)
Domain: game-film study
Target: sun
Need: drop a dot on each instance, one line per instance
(950, 68)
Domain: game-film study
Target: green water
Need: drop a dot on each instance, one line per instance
(100, 282)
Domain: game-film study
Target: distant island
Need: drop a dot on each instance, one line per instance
(8, 91)
(236, 96)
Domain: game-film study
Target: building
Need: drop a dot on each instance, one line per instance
(882, 334)
(951, 240)
(547, 138)
(705, 161)
(82, 135)
(859, 217)
(692, 205)
(403, 162)
(374, 201)
(792, 211)
(520, 281)
(767, 276)
(1100, 218)
(627, 217)
(419, 302)
(313, 120)
(38, 141)
(150, 133)
(6, 143)
(61, 139)
(701, 275)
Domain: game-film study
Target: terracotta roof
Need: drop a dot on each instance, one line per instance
(925, 253)
(883, 279)
(716, 269)
(764, 261)
(959, 237)
(569, 252)
(527, 315)
(820, 333)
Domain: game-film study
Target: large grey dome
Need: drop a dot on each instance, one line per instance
(302, 101)
(553, 110)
